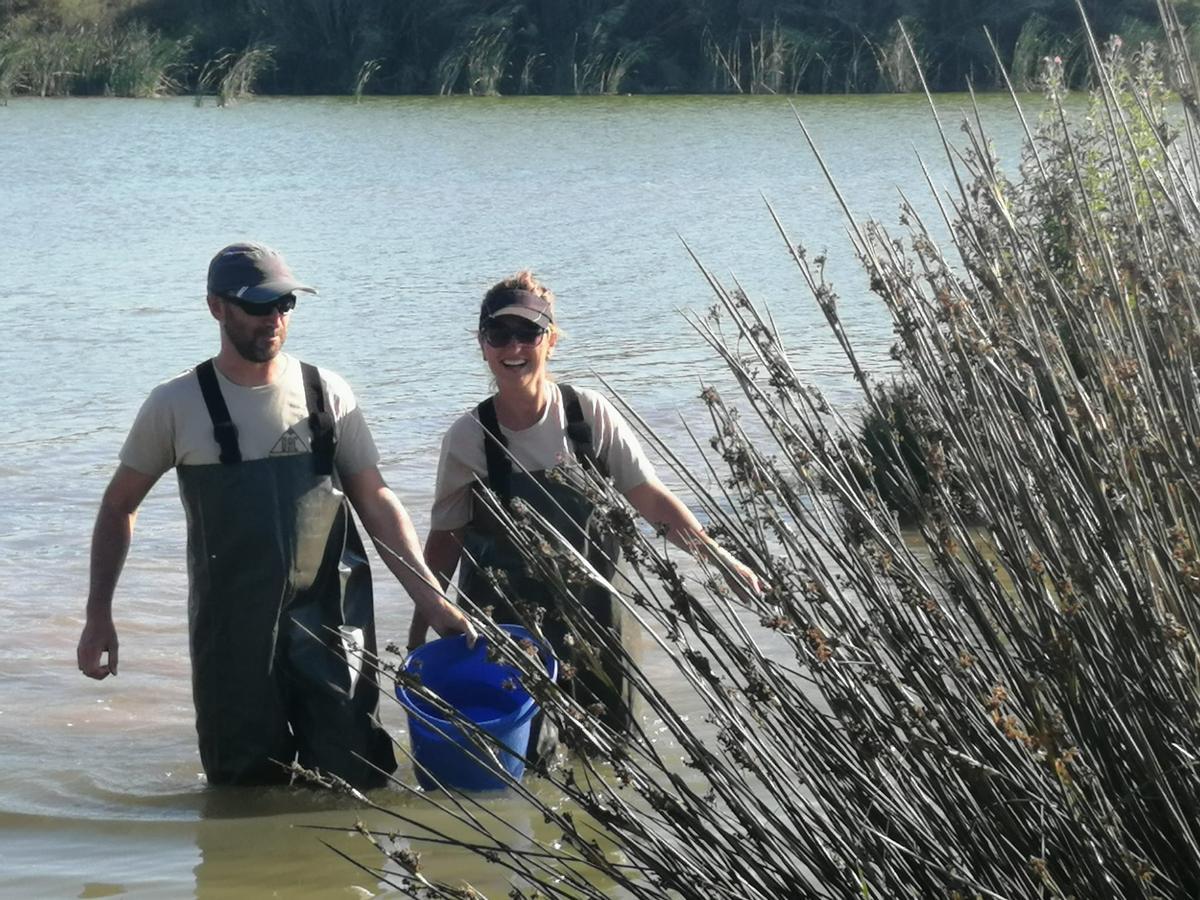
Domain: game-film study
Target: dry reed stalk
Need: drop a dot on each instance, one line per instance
(1010, 709)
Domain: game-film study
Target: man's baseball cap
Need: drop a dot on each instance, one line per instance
(252, 272)
(516, 302)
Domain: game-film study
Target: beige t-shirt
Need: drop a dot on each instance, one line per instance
(543, 445)
(173, 427)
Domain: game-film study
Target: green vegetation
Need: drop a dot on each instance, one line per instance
(1000, 701)
(547, 46)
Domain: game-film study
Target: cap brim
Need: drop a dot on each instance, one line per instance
(273, 290)
(523, 312)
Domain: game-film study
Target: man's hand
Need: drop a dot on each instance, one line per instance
(446, 619)
(99, 637)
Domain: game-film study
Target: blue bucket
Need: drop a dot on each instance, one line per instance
(489, 694)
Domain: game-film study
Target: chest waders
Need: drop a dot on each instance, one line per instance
(274, 562)
(565, 504)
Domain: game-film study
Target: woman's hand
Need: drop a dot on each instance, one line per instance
(739, 576)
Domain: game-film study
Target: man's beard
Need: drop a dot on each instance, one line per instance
(252, 345)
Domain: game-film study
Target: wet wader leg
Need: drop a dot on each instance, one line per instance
(334, 714)
(244, 744)
(233, 611)
(339, 736)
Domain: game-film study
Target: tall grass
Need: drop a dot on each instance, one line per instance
(233, 75)
(365, 73)
(123, 61)
(601, 66)
(142, 63)
(12, 52)
(1002, 709)
(899, 63)
(478, 61)
(775, 61)
(1035, 43)
(590, 46)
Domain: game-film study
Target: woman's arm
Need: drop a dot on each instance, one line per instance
(660, 507)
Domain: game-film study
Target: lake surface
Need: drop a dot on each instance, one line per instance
(403, 212)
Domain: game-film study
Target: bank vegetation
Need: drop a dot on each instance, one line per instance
(147, 47)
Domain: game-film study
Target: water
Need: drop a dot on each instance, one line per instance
(402, 211)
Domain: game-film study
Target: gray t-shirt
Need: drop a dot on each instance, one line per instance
(543, 445)
(173, 427)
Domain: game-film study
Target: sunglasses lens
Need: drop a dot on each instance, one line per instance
(284, 304)
(503, 335)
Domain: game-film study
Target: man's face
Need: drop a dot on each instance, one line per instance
(256, 338)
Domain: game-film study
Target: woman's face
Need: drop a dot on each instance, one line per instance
(519, 363)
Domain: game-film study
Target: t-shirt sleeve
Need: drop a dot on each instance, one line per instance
(452, 494)
(356, 448)
(150, 445)
(617, 445)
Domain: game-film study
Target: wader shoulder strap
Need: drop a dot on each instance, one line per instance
(499, 466)
(580, 432)
(320, 421)
(224, 430)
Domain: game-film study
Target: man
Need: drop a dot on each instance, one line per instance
(279, 602)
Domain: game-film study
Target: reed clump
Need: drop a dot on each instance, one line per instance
(999, 701)
(602, 46)
(478, 60)
(231, 75)
(96, 59)
(366, 72)
(775, 61)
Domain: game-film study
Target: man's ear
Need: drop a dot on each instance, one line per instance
(216, 307)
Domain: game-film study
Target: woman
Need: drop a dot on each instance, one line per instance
(542, 426)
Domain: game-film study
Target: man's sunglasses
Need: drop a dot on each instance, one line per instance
(499, 334)
(283, 305)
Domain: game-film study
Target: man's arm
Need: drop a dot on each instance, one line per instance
(111, 536)
(660, 507)
(388, 523)
(442, 552)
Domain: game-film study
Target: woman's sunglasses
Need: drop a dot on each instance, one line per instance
(499, 334)
(283, 305)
